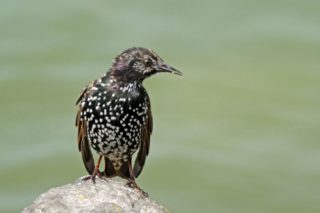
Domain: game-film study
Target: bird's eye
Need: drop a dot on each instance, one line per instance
(148, 62)
(132, 63)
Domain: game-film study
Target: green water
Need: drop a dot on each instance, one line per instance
(238, 133)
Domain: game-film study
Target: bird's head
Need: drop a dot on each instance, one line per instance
(137, 63)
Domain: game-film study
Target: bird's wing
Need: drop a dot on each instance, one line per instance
(83, 143)
(144, 144)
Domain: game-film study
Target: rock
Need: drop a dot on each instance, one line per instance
(104, 196)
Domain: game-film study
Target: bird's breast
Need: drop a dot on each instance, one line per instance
(115, 120)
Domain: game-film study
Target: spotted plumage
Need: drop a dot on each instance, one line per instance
(114, 115)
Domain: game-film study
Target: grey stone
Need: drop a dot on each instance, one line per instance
(106, 195)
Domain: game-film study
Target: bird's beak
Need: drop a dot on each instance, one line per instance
(167, 68)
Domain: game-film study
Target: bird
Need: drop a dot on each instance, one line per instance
(114, 116)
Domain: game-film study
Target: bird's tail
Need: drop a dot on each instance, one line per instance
(125, 170)
(109, 169)
(122, 169)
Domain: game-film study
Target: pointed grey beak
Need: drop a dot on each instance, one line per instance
(167, 68)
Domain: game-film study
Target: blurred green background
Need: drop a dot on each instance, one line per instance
(238, 133)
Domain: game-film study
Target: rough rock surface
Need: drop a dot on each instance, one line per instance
(104, 196)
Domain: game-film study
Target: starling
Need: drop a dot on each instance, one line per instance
(114, 115)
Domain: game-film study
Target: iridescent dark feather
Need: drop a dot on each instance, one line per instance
(144, 145)
(83, 143)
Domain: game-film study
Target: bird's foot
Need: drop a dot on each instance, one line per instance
(95, 173)
(134, 185)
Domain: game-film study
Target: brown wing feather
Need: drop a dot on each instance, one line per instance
(83, 143)
(144, 145)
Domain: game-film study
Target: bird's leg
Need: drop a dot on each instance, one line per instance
(96, 172)
(132, 182)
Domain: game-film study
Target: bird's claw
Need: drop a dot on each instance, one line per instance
(95, 173)
(133, 184)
